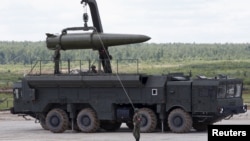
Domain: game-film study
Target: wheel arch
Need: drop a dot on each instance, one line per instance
(168, 110)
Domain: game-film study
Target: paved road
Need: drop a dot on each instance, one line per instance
(17, 129)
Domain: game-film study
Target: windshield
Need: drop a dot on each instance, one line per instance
(229, 90)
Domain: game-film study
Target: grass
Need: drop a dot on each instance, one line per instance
(246, 97)
(8, 101)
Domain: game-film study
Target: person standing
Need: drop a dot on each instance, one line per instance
(137, 124)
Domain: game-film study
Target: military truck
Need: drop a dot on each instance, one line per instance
(87, 101)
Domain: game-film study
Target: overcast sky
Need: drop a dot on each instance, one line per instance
(165, 21)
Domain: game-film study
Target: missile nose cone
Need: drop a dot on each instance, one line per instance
(148, 38)
(143, 38)
(122, 39)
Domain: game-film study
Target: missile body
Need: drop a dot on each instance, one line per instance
(93, 41)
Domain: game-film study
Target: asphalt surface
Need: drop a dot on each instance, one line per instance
(16, 128)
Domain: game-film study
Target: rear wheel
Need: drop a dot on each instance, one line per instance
(148, 120)
(179, 121)
(87, 120)
(57, 120)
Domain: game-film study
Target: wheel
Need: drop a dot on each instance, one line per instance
(42, 121)
(57, 120)
(110, 125)
(148, 120)
(179, 121)
(200, 127)
(87, 120)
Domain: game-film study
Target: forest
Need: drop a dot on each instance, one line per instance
(12, 52)
(155, 58)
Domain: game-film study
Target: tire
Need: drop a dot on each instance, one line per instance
(110, 126)
(148, 120)
(87, 121)
(179, 121)
(57, 120)
(42, 121)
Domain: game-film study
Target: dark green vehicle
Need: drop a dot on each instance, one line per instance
(90, 100)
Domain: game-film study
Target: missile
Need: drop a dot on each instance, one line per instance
(93, 40)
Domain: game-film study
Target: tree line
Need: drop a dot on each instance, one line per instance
(26, 52)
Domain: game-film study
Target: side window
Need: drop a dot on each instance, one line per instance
(17, 93)
(230, 90)
(221, 91)
(238, 90)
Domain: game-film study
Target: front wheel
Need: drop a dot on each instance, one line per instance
(180, 121)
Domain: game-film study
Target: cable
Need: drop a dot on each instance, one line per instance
(118, 77)
(85, 19)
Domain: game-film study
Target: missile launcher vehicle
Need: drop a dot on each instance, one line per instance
(88, 101)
